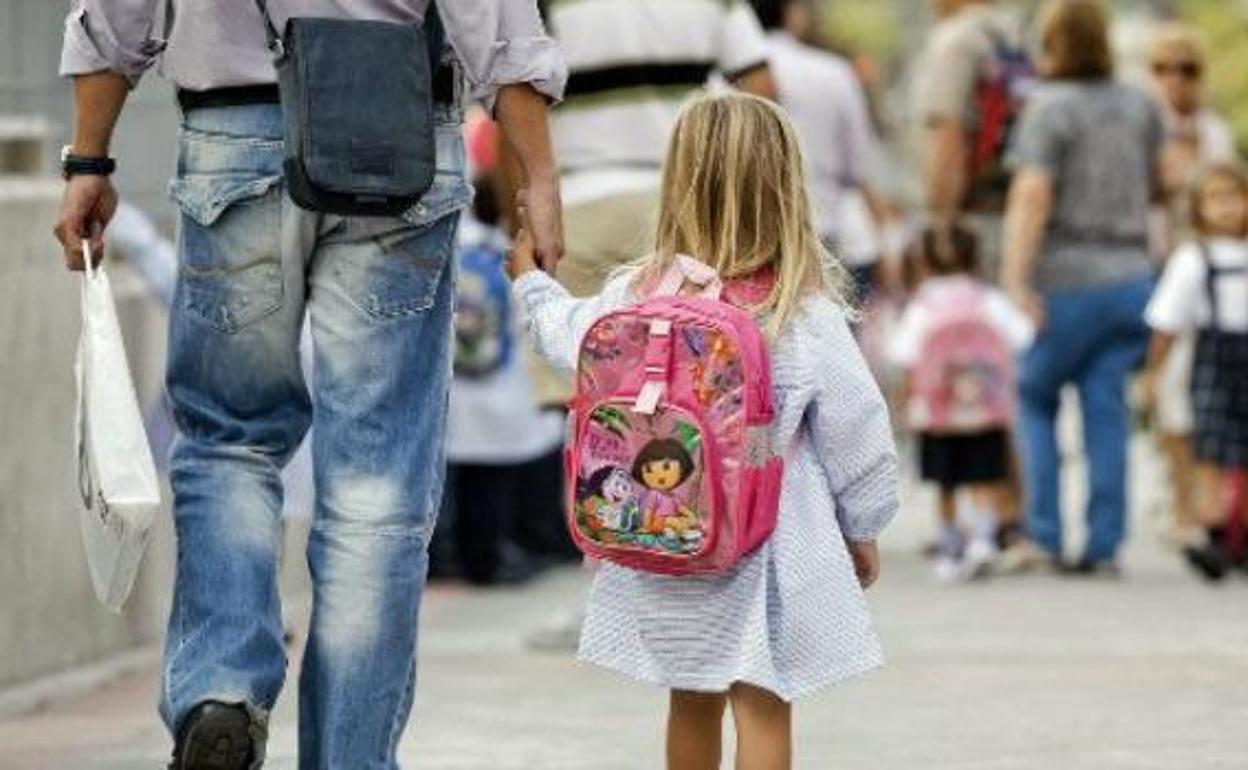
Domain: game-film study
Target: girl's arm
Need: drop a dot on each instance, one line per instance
(1028, 211)
(1158, 351)
(556, 321)
(852, 436)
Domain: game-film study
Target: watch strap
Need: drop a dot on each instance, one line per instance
(81, 165)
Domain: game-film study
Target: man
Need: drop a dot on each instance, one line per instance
(378, 292)
(960, 49)
(824, 97)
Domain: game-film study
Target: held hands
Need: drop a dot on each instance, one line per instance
(866, 557)
(541, 215)
(86, 208)
(523, 256)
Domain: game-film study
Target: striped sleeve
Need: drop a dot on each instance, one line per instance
(742, 45)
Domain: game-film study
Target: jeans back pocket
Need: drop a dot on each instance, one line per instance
(230, 195)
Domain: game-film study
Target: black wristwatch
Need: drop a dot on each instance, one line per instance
(78, 165)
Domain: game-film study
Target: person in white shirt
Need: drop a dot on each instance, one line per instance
(1205, 289)
(961, 396)
(1195, 136)
(825, 99)
(631, 67)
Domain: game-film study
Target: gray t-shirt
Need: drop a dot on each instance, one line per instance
(1100, 140)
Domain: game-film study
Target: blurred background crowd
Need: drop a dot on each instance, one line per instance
(955, 148)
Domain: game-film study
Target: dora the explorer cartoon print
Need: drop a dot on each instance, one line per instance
(645, 497)
(661, 467)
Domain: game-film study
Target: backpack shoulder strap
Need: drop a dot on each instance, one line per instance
(1211, 281)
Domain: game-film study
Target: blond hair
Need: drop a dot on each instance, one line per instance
(1175, 39)
(1075, 37)
(1228, 172)
(734, 197)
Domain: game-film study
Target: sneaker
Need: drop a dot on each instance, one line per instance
(561, 636)
(948, 570)
(979, 560)
(1209, 561)
(1094, 568)
(1025, 556)
(218, 736)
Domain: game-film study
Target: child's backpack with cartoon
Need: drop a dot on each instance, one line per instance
(1006, 80)
(483, 328)
(965, 380)
(670, 452)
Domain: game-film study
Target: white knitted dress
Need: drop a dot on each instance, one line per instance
(791, 617)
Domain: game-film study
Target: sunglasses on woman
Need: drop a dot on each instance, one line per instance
(1189, 70)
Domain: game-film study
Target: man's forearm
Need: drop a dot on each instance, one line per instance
(946, 170)
(98, 99)
(759, 82)
(522, 116)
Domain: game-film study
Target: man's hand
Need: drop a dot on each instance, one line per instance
(522, 115)
(866, 558)
(86, 208)
(541, 217)
(90, 201)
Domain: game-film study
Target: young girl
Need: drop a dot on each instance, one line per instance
(1205, 287)
(961, 398)
(790, 618)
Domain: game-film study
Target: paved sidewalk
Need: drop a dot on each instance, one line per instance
(1019, 673)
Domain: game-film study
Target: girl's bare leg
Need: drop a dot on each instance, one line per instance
(1214, 498)
(695, 724)
(764, 729)
(1178, 450)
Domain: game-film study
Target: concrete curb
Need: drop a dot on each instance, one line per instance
(40, 693)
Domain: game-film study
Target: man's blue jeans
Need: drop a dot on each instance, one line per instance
(1092, 338)
(378, 292)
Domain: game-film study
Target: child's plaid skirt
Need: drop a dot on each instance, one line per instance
(1220, 398)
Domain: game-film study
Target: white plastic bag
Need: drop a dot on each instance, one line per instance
(120, 489)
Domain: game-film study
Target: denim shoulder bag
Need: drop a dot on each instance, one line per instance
(357, 104)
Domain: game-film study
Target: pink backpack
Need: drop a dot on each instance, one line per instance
(965, 379)
(670, 466)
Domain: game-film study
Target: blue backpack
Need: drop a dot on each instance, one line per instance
(483, 321)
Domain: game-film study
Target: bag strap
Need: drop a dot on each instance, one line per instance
(685, 269)
(272, 37)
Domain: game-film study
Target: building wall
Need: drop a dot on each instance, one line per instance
(30, 44)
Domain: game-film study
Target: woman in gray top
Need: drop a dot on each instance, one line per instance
(1077, 259)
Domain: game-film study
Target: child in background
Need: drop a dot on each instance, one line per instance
(791, 617)
(1205, 287)
(499, 503)
(957, 339)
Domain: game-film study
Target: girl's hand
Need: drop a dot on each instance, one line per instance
(1148, 391)
(866, 558)
(523, 257)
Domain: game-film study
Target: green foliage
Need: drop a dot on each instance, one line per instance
(1224, 23)
(862, 26)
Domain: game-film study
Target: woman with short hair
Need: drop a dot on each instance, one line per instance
(1077, 259)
